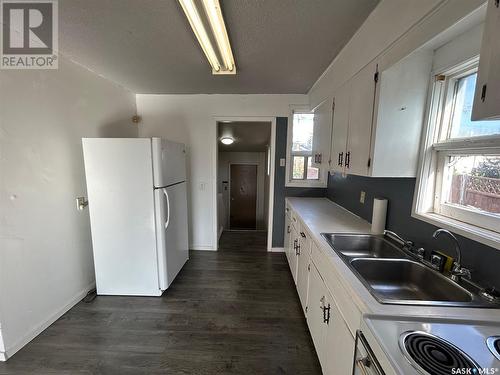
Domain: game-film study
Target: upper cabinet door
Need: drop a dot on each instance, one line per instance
(487, 94)
(340, 128)
(322, 133)
(360, 120)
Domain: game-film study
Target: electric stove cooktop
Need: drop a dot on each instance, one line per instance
(436, 347)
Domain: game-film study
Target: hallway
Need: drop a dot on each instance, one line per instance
(243, 241)
(228, 312)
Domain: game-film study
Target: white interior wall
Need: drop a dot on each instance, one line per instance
(46, 261)
(394, 28)
(225, 160)
(191, 119)
(461, 48)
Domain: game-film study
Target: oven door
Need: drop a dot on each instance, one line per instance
(365, 362)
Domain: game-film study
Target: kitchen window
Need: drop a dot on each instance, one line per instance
(301, 170)
(459, 181)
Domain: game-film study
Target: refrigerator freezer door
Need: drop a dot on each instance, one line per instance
(122, 215)
(171, 232)
(169, 162)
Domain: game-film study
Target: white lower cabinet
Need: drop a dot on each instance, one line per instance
(333, 341)
(303, 261)
(332, 338)
(339, 345)
(288, 231)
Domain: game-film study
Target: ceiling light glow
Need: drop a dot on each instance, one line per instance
(227, 140)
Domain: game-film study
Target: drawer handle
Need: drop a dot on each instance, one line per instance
(362, 364)
(303, 235)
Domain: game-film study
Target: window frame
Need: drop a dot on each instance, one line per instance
(321, 181)
(436, 147)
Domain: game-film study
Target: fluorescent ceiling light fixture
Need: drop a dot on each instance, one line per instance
(198, 21)
(227, 140)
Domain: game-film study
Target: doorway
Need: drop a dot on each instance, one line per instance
(243, 196)
(245, 183)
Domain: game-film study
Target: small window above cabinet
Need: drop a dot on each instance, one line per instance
(487, 93)
(378, 116)
(307, 149)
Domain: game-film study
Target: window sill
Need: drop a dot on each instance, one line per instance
(481, 235)
(306, 184)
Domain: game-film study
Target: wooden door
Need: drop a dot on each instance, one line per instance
(243, 204)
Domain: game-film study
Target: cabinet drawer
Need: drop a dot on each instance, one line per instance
(348, 310)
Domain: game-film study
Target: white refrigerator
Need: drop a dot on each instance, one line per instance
(138, 213)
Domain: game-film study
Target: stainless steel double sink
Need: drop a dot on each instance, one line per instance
(393, 277)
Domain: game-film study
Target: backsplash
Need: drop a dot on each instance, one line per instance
(482, 260)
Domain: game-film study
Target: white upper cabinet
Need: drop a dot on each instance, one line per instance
(487, 94)
(322, 133)
(340, 128)
(360, 120)
(378, 117)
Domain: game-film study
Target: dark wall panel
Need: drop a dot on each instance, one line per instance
(482, 260)
(280, 191)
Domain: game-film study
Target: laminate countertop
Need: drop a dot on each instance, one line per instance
(321, 215)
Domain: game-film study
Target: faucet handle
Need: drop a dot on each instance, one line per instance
(420, 252)
(458, 270)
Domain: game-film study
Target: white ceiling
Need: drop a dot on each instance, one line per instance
(280, 46)
(248, 136)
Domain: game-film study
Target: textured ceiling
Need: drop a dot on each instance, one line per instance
(248, 136)
(280, 46)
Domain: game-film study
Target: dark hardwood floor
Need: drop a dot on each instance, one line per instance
(228, 312)
(243, 241)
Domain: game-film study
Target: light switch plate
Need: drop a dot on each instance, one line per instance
(282, 162)
(362, 197)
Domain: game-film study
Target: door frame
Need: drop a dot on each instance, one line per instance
(256, 191)
(272, 156)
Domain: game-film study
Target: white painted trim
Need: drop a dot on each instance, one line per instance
(21, 342)
(202, 248)
(272, 153)
(472, 232)
(277, 250)
(3, 357)
(323, 178)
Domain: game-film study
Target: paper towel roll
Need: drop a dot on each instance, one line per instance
(379, 215)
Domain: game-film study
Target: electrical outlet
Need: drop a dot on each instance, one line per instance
(362, 197)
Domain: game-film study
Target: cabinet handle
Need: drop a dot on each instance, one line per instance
(297, 250)
(288, 229)
(295, 245)
(341, 158)
(497, 3)
(302, 234)
(348, 159)
(362, 364)
(483, 91)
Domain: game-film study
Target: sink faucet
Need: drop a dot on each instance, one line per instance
(406, 244)
(458, 271)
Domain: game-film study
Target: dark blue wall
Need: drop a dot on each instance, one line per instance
(280, 191)
(483, 261)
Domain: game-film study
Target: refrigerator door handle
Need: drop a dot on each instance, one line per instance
(168, 208)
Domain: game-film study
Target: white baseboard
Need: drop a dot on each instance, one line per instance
(10, 351)
(202, 247)
(277, 249)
